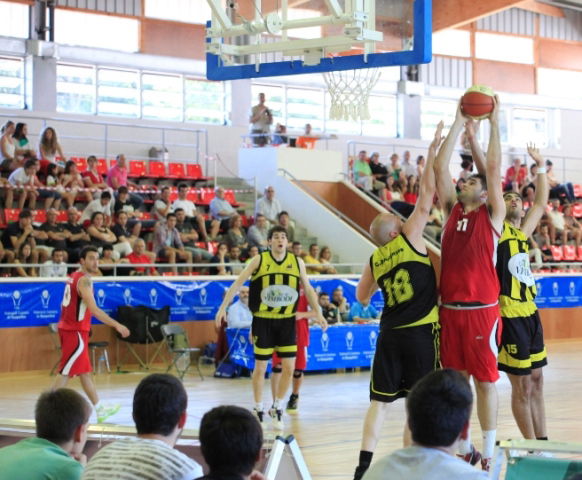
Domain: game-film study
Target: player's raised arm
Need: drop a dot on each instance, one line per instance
(311, 295)
(494, 187)
(536, 211)
(444, 182)
(476, 152)
(414, 226)
(367, 285)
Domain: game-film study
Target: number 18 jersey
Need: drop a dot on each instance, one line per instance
(408, 284)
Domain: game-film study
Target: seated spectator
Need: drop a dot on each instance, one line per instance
(557, 189)
(122, 203)
(73, 182)
(439, 413)
(312, 263)
(529, 189)
(100, 234)
(221, 259)
(236, 265)
(25, 182)
(168, 245)
(556, 223)
(56, 233)
(57, 266)
(117, 177)
(92, 178)
(49, 150)
(162, 205)
(220, 209)
(363, 177)
(24, 257)
(24, 151)
(325, 259)
(285, 222)
(514, 179)
(8, 147)
(189, 237)
(328, 310)
(411, 192)
(380, 176)
(307, 140)
(467, 169)
(103, 205)
(18, 233)
(238, 314)
(395, 170)
(121, 231)
(363, 312)
(231, 440)
(61, 418)
(192, 215)
(420, 164)
(141, 256)
(258, 233)
(572, 225)
(107, 261)
(252, 252)
(393, 190)
(159, 412)
(54, 181)
(338, 299)
(297, 249)
(78, 238)
(236, 235)
(280, 137)
(268, 206)
(408, 169)
(542, 240)
(536, 255)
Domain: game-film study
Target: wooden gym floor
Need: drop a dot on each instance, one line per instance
(332, 407)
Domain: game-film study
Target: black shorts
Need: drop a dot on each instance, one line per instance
(274, 335)
(522, 345)
(403, 356)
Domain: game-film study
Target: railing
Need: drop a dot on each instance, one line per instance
(248, 138)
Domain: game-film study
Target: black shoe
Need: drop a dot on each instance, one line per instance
(472, 457)
(359, 473)
(292, 403)
(277, 417)
(259, 414)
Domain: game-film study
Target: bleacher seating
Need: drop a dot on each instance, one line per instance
(569, 253)
(176, 170)
(102, 166)
(137, 168)
(81, 163)
(577, 190)
(557, 253)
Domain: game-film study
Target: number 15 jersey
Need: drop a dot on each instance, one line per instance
(408, 284)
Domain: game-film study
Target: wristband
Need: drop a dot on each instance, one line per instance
(542, 170)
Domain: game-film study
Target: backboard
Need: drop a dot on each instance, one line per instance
(265, 38)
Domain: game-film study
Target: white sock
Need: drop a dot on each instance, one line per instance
(259, 406)
(489, 437)
(465, 445)
(277, 403)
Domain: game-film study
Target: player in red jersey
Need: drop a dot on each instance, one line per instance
(74, 327)
(469, 287)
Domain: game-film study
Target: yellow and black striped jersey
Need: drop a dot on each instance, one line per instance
(518, 286)
(274, 289)
(408, 283)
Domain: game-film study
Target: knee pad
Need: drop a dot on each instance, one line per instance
(277, 369)
(297, 373)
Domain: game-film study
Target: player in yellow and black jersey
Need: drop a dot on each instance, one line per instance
(407, 347)
(275, 277)
(522, 352)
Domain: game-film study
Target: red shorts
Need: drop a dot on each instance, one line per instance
(470, 339)
(74, 353)
(302, 333)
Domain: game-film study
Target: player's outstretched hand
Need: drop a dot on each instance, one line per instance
(494, 115)
(322, 322)
(535, 154)
(122, 330)
(437, 139)
(220, 317)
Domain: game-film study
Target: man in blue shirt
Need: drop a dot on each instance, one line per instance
(363, 312)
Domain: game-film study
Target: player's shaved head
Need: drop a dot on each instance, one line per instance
(385, 227)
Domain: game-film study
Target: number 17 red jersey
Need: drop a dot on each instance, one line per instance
(468, 257)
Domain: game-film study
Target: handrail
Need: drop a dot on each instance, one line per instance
(325, 137)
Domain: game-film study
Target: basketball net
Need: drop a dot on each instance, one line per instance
(349, 91)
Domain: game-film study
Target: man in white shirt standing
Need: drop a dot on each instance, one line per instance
(261, 119)
(239, 314)
(269, 206)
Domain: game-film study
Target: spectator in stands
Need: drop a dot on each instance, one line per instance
(29, 187)
(434, 226)
(307, 140)
(92, 178)
(325, 258)
(8, 147)
(61, 419)
(280, 137)
(258, 233)
(78, 238)
(261, 119)
(236, 235)
(363, 177)
(122, 203)
(466, 169)
(395, 169)
(103, 205)
(328, 310)
(189, 237)
(108, 259)
(297, 249)
(140, 256)
(285, 222)
(408, 169)
(56, 267)
(23, 147)
(221, 259)
(168, 245)
(18, 233)
(238, 314)
(529, 184)
(556, 218)
(515, 176)
(573, 226)
(420, 164)
(117, 177)
(459, 185)
(56, 233)
(102, 236)
(338, 299)
(236, 265)
(120, 229)
(192, 215)
(53, 180)
(411, 192)
(380, 176)
(363, 312)
(220, 209)
(536, 256)
(252, 252)
(393, 190)
(268, 206)
(439, 412)
(314, 266)
(557, 189)
(231, 440)
(159, 412)
(50, 150)
(162, 205)
(24, 257)
(73, 181)
(543, 242)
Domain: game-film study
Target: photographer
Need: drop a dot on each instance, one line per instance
(261, 119)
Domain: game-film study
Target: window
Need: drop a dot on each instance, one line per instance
(504, 48)
(75, 89)
(432, 112)
(98, 31)
(304, 106)
(383, 113)
(179, 10)
(11, 82)
(15, 22)
(569, 83)
(117, 93)
(527, 125)
(456, 43)
(204, 101)
(162, 96)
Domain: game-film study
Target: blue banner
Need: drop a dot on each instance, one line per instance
(28, 304)
(340, 346)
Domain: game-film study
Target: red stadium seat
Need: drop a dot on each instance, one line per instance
(173, 195)
(11, 214)
(81, 163)
(557, 253)
(579, 254)
(577, 210)
(62, 216)
(230, 198)
(569, 253)
(102, 166)
(206, 196)
(39, 216)
(577, 190)
(156, 169)
(137, 168)
(213, 247)
(194, 171)
(193, 195)
(176, 170)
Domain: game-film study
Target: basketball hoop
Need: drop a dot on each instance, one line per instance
(349, 91)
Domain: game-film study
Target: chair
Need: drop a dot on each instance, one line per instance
(180, 350)
(569, 253)
(137, 168)
(194, 171)
(176, 170)
(577, 210)
(557, 253)
(577, 190)
(102, 166)
(81, 163)
(156, 169)
(93, 347)
(230, 198)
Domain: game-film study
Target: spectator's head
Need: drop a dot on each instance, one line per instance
(420, 161)
(92, 162)
(277, 238)
(297, 249)
(533, 169)
(72, 215)
(406, 156)
(513, 206)
(183, 191)
(385, 228)
(231, 440)
(171, 220)
(30, 167)
(270, 192)
(51, 216)
(180, 216)
(308, 129)
(89, 260)
(261, 98)
(121, 218)
(325, 254)
(58, 255)
(166, 194)
(439, 409)
(283, 219)
(324, 300)
(314, 250)
(243, 294)
(51, 170)
(70, 168)
(544, 229)
(516, 162)
(337, 295)
(219, 192)
(122, 193)
(467, 164)
(362, 155)
(97, 219)
(105, 197)
(159, 406)
(394, 159)
(24, 252)
(235, 221)
(567, 210)
(222, 249)
(549, 165)
(234, 253)
(474, 190)
(374, 157)
(20, 131)
(555, 202)
(261, 221)
(107, 252)
(120, 160)
(25, 218)
(253, 251)
(139, 246)
(61, 417)
(48, 139)
(8, 128)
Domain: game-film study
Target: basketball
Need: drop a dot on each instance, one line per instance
(477, 102)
